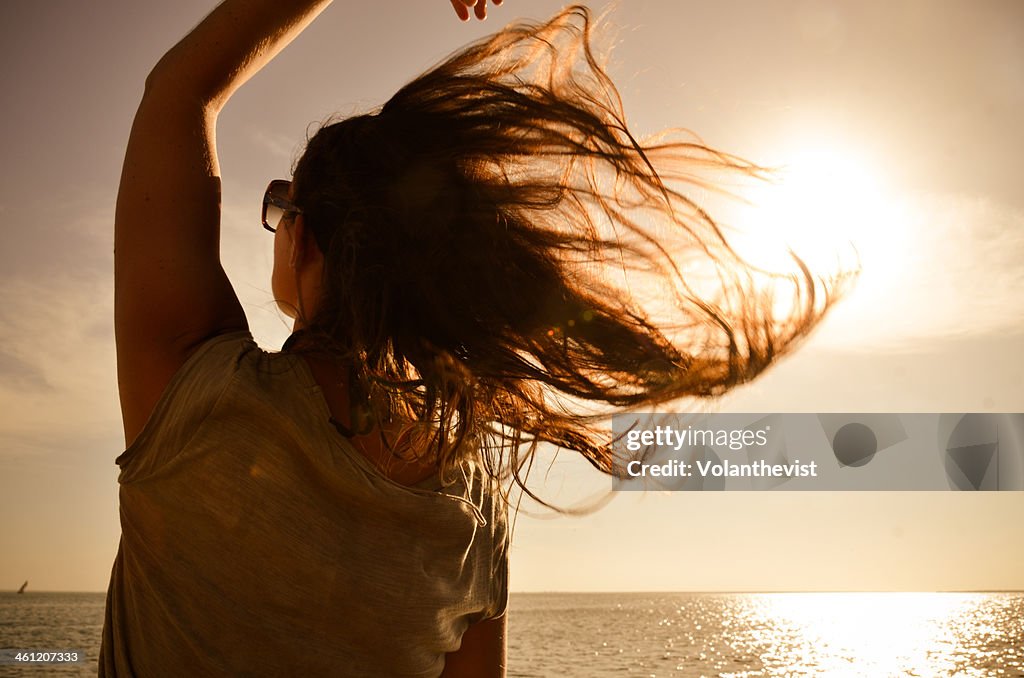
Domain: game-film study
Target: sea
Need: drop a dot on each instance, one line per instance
(720, 635)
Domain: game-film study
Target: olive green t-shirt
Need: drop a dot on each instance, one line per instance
(256, 541)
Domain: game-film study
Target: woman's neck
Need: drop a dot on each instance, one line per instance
(333, 377)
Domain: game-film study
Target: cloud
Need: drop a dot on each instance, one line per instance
(70, 234)
(57, 364)
(280, 146)
(17, 374)
(948, 266)
(59, 372)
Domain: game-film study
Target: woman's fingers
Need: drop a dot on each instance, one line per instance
(479, 8)
(462, 8)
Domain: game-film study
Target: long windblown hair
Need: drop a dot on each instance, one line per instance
(483, 234)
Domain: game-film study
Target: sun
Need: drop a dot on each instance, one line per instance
(825, 204)
(833, 207)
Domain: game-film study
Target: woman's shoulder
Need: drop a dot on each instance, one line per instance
(191, 395)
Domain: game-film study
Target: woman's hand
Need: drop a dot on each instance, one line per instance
(479, 8)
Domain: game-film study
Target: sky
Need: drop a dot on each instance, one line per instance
(900, 121)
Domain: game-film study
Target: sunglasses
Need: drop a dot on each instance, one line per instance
(276, 204)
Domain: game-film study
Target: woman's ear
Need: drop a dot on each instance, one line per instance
(303, 252)
(299, 247)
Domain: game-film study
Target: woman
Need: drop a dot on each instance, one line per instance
(336, 508)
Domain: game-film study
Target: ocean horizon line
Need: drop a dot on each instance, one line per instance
(654, 592)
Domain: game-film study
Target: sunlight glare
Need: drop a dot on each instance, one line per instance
(882, 632)
(834, 209)
(825, 205)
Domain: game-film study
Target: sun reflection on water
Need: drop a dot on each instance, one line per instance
(770, 635)
(872, 634)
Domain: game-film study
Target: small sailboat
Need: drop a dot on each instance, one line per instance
(22, 589)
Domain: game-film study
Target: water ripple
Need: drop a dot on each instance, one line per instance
(846, 635)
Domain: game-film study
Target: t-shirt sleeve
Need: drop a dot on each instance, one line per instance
(186, 402)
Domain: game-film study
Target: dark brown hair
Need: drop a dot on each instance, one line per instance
(473, 230)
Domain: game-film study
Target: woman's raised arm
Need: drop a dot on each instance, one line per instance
(170, 291)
